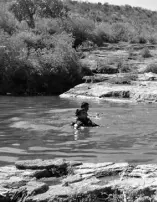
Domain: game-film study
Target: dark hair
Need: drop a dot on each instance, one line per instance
(84, 104)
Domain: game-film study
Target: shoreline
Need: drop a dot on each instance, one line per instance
(140, 91)
(60, 180)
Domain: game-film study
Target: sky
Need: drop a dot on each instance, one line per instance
(148, 4)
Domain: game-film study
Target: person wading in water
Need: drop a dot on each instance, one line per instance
(82, 119)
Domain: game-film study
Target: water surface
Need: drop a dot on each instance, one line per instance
(39, 127)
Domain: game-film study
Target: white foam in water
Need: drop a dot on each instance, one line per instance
(60, 110)
(38, 148)
(15, 119)
(16, 144)
(12, 150)
(63, 134)
(37, 127)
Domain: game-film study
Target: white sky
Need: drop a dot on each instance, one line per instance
(148, 4)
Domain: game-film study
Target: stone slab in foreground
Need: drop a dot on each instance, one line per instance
(61, 180)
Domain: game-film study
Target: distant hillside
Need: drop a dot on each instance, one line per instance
(141, 19)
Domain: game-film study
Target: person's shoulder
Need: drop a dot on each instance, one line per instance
(78, 111)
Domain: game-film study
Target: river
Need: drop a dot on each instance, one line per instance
(39, 127)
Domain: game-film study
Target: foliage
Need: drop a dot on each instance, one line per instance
(146, 53)
(151, 68)
(32, 64)
(8, 23)
(102, 33)
(98, 23)
(123, 67)
(153, 38)
(120, 32)
(28, 9)
(52, 9)
(127, 79)
(60, 60)
(25, 10)
(58, 66)
(41, 41)
(80, 28)
(47, 26)
(103, 67)
(11, 63)
(142, 39)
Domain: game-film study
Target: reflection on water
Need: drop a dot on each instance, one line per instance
(39, 127)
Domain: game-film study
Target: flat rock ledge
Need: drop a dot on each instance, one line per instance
(61, 180)
(144, 89)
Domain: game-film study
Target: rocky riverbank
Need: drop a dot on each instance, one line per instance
(137, 91)
(61, 180)
(120, 74)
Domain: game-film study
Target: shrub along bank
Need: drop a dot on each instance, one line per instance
(52, 69)
(36, 54)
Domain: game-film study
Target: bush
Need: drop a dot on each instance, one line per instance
(51, 9)
(146, 53)
(134, 39)
(58, 68)
(142, 39)
(86, 46)
(12, 62)
(120, 32)
(102, 33)
(14, 46)
(153, 39)
(138, 38)
(151, 68)
(47, 25)
(132, 54)
(31, 40)
(80, 28)
(49, 69)
(127, 79)
(123, 67)
(8, 23)
(105, 68)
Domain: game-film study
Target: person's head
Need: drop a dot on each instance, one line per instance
(85, 106)
(81, 114)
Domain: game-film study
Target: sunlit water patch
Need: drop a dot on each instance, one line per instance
(39, 127)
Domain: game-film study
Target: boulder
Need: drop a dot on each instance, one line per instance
(86, 190)
(41, 164)
(24, 192)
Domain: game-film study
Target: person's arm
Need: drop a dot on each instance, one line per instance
(91, 123)
(94, 124)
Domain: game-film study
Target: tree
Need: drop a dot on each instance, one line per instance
(25, 10)
(52, 8)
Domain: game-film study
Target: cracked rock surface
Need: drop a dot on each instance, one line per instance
(61, 180)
